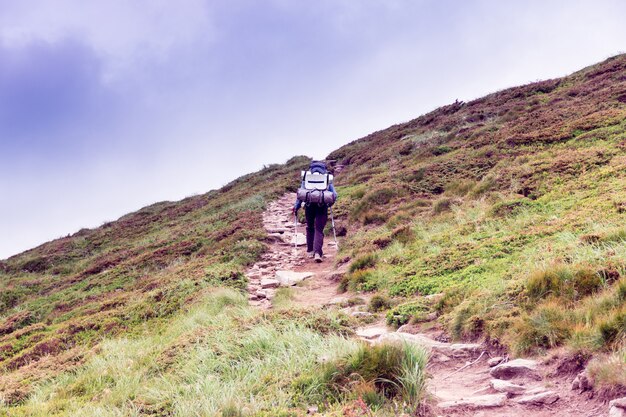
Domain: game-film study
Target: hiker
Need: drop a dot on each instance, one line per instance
(317, 193)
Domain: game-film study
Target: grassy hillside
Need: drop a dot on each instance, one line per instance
(58, 300)
(511, 208)
(147, 315)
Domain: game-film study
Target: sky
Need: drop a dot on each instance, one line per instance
(107, 106)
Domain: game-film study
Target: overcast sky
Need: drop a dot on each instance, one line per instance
(110, 105)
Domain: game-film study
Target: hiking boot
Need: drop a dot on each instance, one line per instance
(318, 258)
(310, 254)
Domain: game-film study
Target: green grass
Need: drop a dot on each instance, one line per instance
(223, 357)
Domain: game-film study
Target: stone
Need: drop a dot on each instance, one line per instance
(409, 328)
(260, 294)
(476, 402)
(440, 357)
(506, 387)
(495, 361)
(289, 278)
(617, 407)
(617, 412)
(459, 350)
(361, 314)
(545, 397)
(456, 350)
(275, 229)
(337, 300)
(252, 297)
(371, 332)
(482, 391)
(269, 283)
(434, 297)
(619, 403)
(516, 368)
(312, 410)
(298, 239)
(582, 382)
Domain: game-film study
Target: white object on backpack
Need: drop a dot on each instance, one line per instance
(316, 180)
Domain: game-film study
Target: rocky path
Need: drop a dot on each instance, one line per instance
(285, 263)
(466, 379)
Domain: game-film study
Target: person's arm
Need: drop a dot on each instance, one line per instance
(331, 188)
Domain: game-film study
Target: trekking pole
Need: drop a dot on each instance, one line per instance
(295, 233)
(332, 221)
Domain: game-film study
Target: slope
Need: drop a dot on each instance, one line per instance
(503, 217)
(511, 208)
(59, 299)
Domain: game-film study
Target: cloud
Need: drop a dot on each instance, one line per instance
(46, 91)
(119, 30)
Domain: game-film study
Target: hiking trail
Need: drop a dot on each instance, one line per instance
(465, 379)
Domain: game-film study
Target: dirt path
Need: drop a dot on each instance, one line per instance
(286, 263)
(465, 379)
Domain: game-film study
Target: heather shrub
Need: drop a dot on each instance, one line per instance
(546, 327)
(403, 313)
(379, 303)
(568, 282)
(363, 262)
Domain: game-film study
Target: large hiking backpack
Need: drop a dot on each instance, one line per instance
(315, 188)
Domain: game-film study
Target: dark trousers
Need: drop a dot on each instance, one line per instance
(316, 218)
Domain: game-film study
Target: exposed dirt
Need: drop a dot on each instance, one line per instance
(458, 373)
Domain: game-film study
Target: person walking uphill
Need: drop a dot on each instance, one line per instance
(318, 194)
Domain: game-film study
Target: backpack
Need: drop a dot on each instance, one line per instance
(315, 189)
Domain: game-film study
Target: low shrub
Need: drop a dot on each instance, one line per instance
(403, 313)
(568, 282)
(382, 242)
(443, 204)
(509, 208)
(379, 303)
(459, 187)
(612, 236)
(373, 217)
(35, 265)
(392, 370)
(615, 236)
(547, 327)
(403, 234)
(363, 262)
(609, 371)
(613, 329)
(357, 281)
(621, 290)
(353, 301)
(226, 274)
(380, 196)
(441, 150)
(371, 200)
(486, 184)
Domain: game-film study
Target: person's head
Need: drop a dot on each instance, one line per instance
(318, 166)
